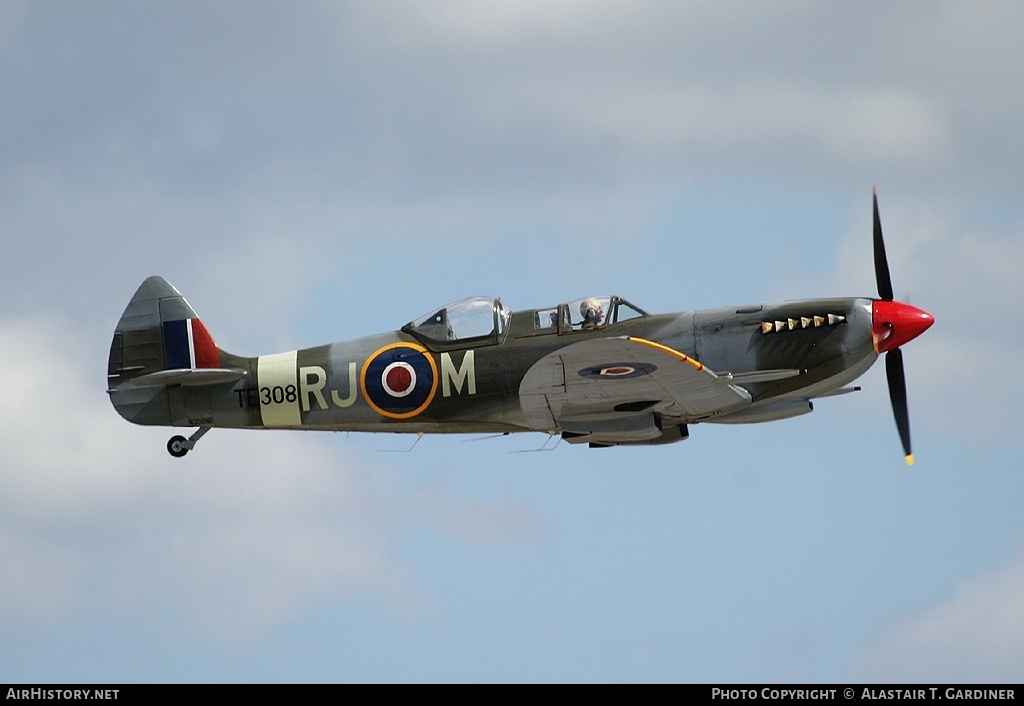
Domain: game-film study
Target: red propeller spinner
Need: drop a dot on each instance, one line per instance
(895, 323)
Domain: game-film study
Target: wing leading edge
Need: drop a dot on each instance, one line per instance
(623, 389)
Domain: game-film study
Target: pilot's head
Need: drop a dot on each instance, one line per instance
(591, 310)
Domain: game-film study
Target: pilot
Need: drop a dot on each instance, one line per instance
(591, 311)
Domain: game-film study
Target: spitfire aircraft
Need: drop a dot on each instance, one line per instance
(596, 370)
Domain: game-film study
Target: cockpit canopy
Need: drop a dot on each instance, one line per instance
(586, 314)
(484, 321)
(470, 318)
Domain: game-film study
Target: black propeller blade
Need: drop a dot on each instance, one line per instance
(898, 397)
(881, 263)
(894, 357)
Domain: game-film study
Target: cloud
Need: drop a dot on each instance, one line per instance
(246, 532)
(975, 635)
(486, 28)
(969, 278)
(402, 101)
(482, 24)
(694, 119)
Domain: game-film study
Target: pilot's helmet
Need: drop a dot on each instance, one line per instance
(590, 308)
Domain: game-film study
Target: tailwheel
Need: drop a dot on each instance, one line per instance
(176, 446)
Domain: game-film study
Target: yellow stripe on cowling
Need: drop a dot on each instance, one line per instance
(671, 351)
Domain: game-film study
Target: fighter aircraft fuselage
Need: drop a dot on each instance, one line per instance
(475, 385)
(597, 370)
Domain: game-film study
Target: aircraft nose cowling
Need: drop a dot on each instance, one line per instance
(895, 323)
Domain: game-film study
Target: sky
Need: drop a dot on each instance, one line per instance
(310, 172)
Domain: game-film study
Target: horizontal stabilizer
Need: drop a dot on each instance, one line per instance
(189, 377)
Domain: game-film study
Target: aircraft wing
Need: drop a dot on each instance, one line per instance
(612, 383)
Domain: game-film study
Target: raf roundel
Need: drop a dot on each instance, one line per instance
(399, 380)
(618, 371)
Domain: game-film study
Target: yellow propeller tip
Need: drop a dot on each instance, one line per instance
(910, 459)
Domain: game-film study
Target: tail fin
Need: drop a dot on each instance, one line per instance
(160, 341)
